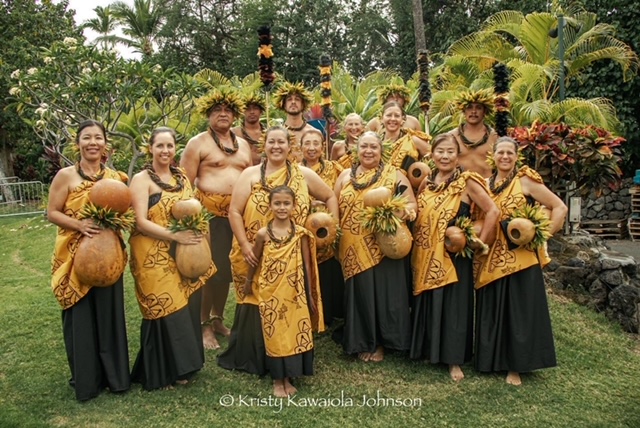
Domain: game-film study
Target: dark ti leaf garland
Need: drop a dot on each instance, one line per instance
(265, 63)
(501, 88)
(325, 92)
(424, 91)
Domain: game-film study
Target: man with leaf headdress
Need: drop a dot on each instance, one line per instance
(475, 137)
(213, 161)
(294, 99)
(401, 95)
(251, 128)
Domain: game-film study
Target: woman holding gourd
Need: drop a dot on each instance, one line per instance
(442, 267)
(513, 327)
(171, 349)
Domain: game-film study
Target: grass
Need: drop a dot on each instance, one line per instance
(595, 384)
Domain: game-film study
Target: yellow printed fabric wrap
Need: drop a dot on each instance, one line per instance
(501, 261)
(329, 174)
(358, 249)
(64, 282)
(160, 289)
(216, 203)
(431, 264)
(287, 325)
(402, 148)
(346, 160)
(257, 215)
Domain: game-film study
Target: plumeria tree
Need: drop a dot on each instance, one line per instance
(79, 82)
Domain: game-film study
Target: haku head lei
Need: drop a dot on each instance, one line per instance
(501, 101)
(395, 90)
(222, 96)
(254, 99)
(287, 88)
(483, 96)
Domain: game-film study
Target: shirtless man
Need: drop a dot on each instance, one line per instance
(294, 100)
(399, 94)
(213, 161)
(475, 137)
(251, 128)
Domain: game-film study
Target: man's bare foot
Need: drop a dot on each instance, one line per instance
(209, 338)
(166, 388)
(364, 356)
(377, 356)
(456, 373)
(279, 389)
(290, 389)
(513, 378)
(182, 382)
(219, 327)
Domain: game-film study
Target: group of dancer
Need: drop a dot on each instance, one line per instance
(261, 185)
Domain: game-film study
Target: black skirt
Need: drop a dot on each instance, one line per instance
(246, 349)
(377, 309)
(95, 338)
(220, 243)
(170, 347)
(513, 327)
(443, 320)
(292, 366)
(331, 289)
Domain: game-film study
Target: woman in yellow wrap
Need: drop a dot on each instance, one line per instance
(94, 329)
(248, 212)
(331, 279)
(288, 293)
(343, 151)
(171, 349)
(376, 295)
(407, 145)
(442, 281)
(513, 327)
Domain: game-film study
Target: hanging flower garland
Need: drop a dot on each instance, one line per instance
(501, 88)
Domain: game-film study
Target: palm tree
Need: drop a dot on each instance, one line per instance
(141, 24)
(104, 24)
(528, 46)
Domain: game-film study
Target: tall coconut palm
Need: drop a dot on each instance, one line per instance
(141, 24)
(104, 24)
(529, 47)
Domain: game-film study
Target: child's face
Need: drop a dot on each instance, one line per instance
(281, 205)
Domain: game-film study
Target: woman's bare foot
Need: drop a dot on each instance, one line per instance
(279, 389)
(456, 373)
(209, 338)
(513, 378)
(289, 389)
(377, 356)
(166, 388)
(364, 356)
(219, 327)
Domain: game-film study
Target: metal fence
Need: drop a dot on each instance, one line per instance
(21, 197)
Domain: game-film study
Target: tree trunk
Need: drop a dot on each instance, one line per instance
(418, 25)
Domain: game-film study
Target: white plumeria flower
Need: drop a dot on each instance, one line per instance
(48, 60)
(15, 91)
(32, 70)
(70, 41)
(86, 70)
(15, 74)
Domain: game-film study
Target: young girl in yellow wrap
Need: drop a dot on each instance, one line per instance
(288, 291)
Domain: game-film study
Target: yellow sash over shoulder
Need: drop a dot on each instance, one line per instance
(64, 282)
(431, 264)
(216, 203)
(358, 249)
(160, 288)
(328, 172)
(501, 261)
(287, 324)
(257, 215)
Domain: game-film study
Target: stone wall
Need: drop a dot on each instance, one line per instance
(609, 205)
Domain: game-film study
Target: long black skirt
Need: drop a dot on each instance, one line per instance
(513, 327)
(246, 349)
(170, 347)
(292, 366)
(377, 309)
(95, 338)
(220, 243)
(443, 320)
(331, 289)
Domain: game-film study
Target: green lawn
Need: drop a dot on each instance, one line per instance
(595, 385)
